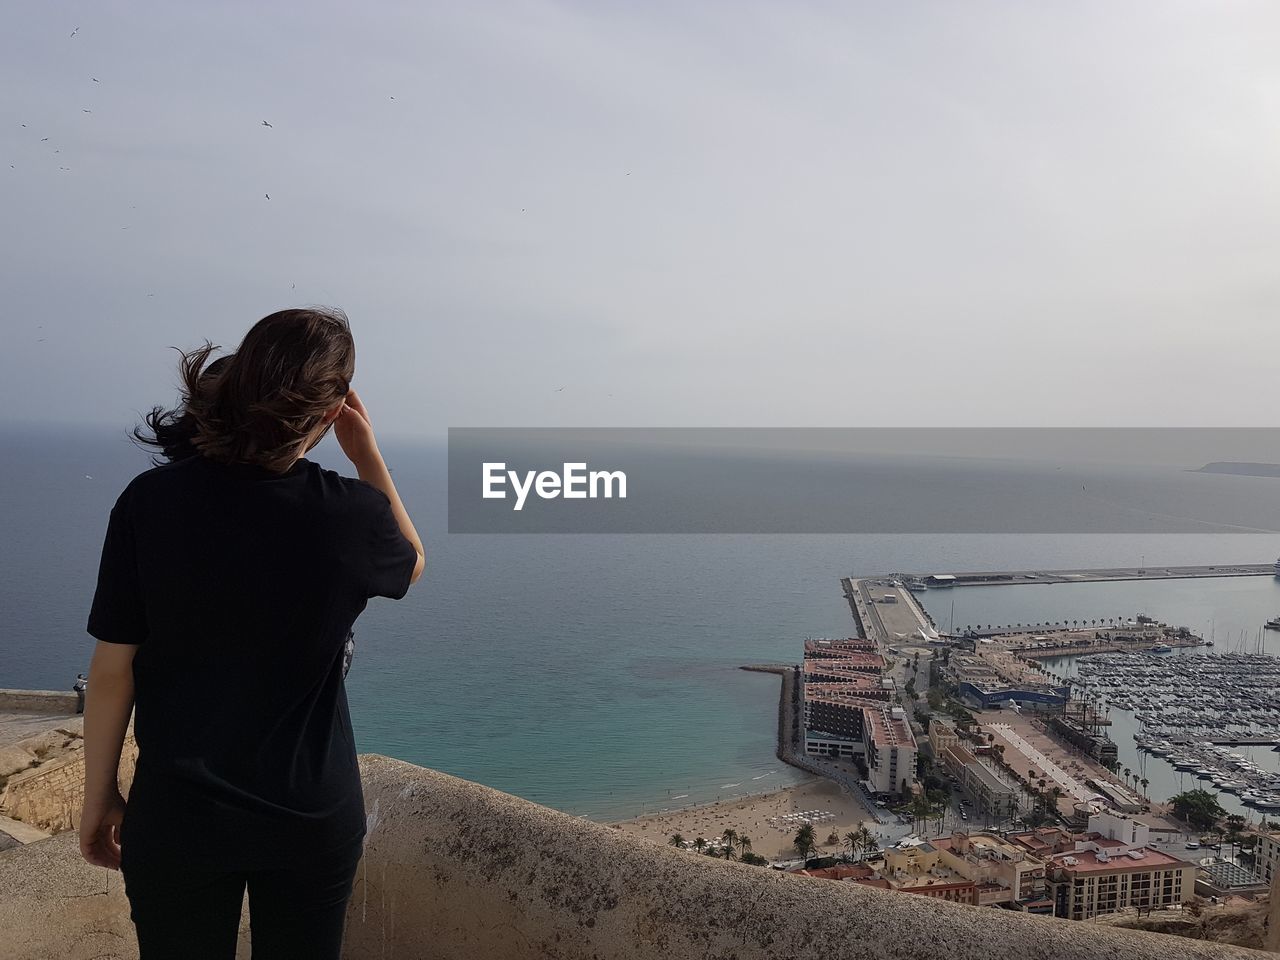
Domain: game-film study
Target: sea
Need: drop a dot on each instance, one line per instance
(600, 673)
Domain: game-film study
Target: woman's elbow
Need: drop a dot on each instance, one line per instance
(419, 569)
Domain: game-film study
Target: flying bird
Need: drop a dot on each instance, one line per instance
(265, 124)
(75, 31)
(267, 195)
(43, 139)
(95, 79)
(558, 391)
(86, 111)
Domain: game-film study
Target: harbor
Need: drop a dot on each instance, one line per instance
(1193, 709)
(1188, 716)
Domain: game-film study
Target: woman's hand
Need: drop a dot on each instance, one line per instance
(355, 432)
(100, 831)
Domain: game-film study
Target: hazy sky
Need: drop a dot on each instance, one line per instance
(683, 214)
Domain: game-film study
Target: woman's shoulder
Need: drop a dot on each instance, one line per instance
(156, 477)
(350, 491)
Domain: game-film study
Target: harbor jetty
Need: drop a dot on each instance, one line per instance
(989, 578)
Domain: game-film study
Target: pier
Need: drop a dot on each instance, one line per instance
(1098, 575)
(886, 612)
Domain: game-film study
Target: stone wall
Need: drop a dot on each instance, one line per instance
(51, 796)
(39, 701)
(456, 870)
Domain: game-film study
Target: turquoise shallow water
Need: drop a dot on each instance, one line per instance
(597, 674)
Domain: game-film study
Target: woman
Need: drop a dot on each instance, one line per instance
(230, 577)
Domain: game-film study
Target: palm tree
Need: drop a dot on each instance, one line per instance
(677, 840)
(867, 840)
(744, 844)
(730, 838)
(699, 844)
(921, 809)
(1055, 794)
(853, 838)
(805, 841)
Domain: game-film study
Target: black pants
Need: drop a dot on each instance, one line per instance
(192, 914)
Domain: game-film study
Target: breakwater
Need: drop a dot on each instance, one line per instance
(991, 578)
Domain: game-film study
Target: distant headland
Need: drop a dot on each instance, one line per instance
(1241, 469)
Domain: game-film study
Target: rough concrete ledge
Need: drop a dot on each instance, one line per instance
(39, 701)
(453, 870)
(456, 871)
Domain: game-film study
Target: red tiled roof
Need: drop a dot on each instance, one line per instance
(1087, 862)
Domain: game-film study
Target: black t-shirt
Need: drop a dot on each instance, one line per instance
(240, 587)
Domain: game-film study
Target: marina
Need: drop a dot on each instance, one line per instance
(1193, 709)
(1227, 616)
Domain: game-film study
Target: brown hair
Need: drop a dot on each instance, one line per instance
(260, 404)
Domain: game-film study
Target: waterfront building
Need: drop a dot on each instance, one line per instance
(1266, 849)
(977, 869)
(970, 668)
(1109, 868)
(1004, 873)
(849, 713)
(1116, 796)
(941, 736)
(850, 661)
(988, 679)
(846, 724)
(826, 649)
(991, 793)
(1092, 883)
(1223, 879)
(841, 671)
(1044, 842)
(913, 865)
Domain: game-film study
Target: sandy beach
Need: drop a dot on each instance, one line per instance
(750, 816)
